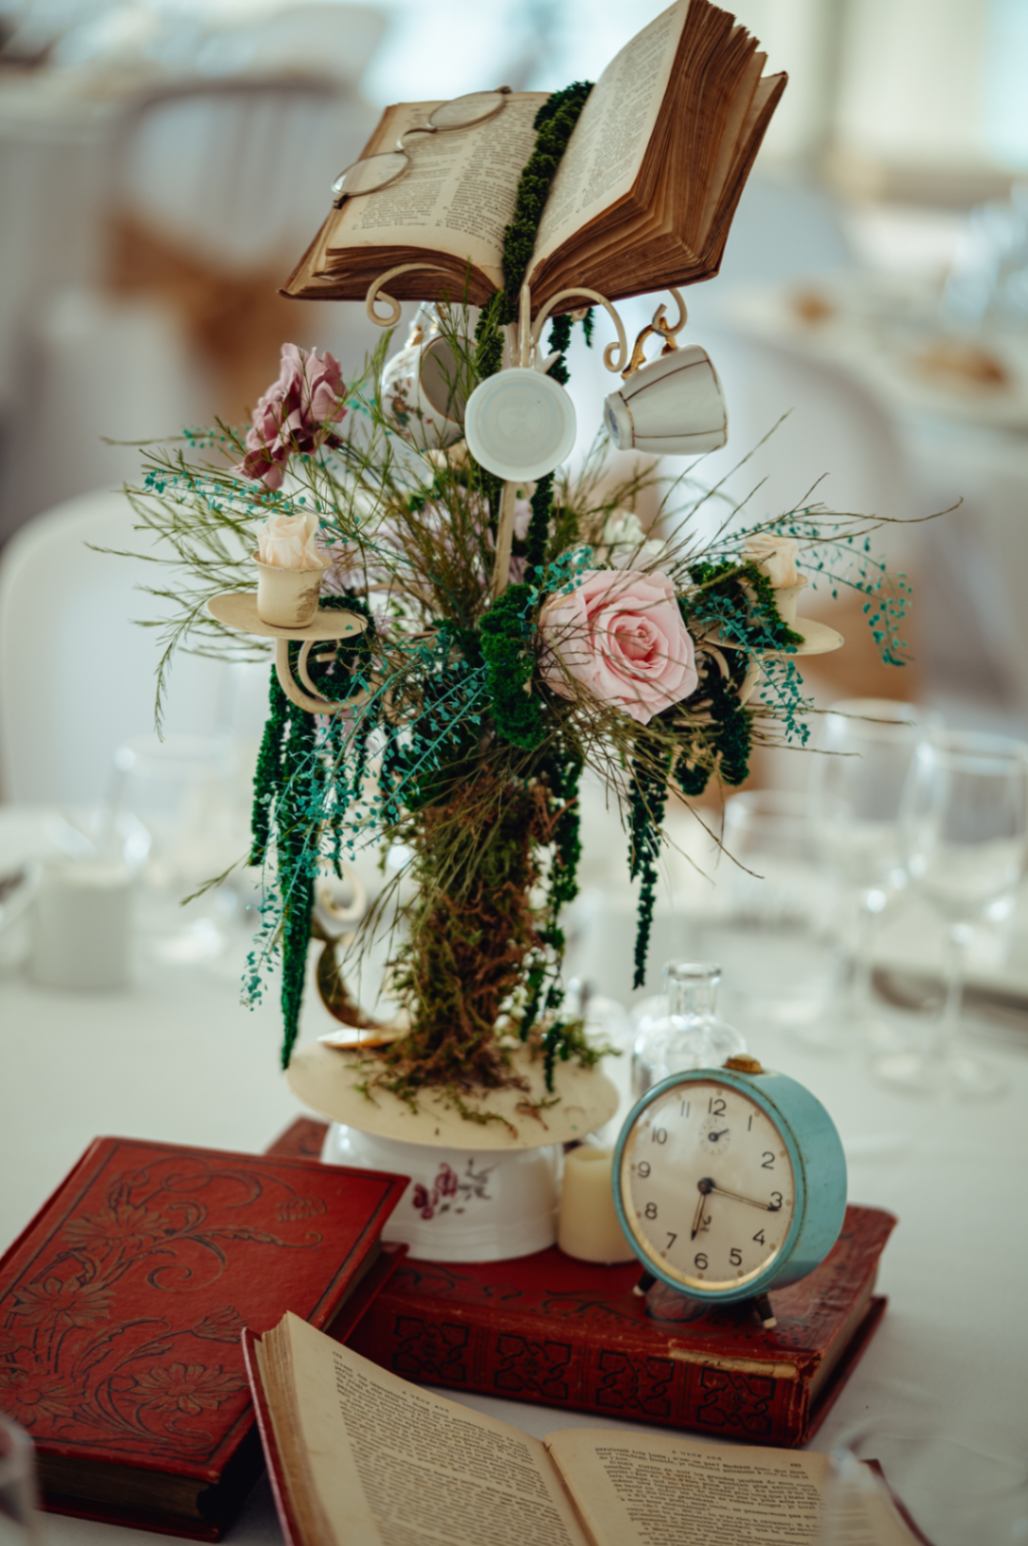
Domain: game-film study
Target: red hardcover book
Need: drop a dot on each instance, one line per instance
(302, 1139)
(560, 1332)
(121, 1306)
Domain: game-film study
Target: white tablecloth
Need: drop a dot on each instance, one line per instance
(176, 1057)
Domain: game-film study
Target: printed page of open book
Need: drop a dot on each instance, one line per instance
(654, 1491)
(397, 1465)
(606, 150)
(458, 194)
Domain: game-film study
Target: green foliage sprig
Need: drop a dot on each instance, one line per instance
(647, 800)
(507, 637)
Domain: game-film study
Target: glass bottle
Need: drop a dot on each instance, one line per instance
(681, 1029)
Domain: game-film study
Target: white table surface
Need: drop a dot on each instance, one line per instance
(176, 1057)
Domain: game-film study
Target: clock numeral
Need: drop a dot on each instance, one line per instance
(670, 1241)
(776, 1201)
(650, 1210)
(700, 1262)
(749, 1122)
(643, 1169)
(658, 1135)
(759, 1237)
(767, 1161)
(683, 1108)
(716, 1106)
(735, 1256)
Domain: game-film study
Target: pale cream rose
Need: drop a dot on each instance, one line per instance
(453, 457)
(775, 555)
(290, 542)
(623, 541)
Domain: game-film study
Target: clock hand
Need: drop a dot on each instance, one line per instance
(768, 1207)
(704, 1187)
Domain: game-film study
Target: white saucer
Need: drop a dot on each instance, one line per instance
(519, 424)
(333, 1083)
(238, 609)
(818, 638)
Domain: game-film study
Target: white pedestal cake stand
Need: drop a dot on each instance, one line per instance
(484, 1182)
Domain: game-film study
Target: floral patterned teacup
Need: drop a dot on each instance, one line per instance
(423, 389)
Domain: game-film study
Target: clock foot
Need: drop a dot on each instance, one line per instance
(764, 1313)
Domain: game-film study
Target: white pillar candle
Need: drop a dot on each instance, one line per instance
(587, 1225)
(81, 927)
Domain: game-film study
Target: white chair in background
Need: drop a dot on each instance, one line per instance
(236, 175)
(77, 670)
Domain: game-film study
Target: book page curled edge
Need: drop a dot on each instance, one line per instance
(377, 1451)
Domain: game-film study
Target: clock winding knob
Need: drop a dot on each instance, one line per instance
(743, 1063)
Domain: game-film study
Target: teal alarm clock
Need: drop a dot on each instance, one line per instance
(729, 1182)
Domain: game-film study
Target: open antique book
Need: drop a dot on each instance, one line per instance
(360, 1457)
(643, 198)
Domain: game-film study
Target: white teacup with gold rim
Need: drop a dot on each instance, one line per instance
(672, 406)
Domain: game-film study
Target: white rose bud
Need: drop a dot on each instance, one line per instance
(290, 542)
(775, 555)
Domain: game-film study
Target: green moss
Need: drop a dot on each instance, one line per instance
(507, 642)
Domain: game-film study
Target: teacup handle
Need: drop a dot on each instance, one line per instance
(657, 327)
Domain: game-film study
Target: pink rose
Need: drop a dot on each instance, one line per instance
(296, 413)
(619, 634)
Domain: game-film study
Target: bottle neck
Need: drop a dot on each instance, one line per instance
(691, 989)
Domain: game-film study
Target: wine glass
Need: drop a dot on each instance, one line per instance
(965, 843)
(913, 1481)
(186, 792)
(857, 785)
(769, 923)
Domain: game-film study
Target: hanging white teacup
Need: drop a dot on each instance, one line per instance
(424, 387)
(672, 406)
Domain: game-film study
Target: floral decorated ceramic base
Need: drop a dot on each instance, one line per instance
(479, 1191)
(461, 1205)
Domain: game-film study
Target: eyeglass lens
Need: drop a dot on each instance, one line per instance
(374, 172)
(461, 112)
(371, 173)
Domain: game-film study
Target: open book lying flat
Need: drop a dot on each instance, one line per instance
(360, 1457)
(643, 198)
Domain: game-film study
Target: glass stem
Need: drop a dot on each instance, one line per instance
(861, 987)
(951, 1015)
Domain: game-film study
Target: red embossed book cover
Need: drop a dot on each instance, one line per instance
(560, 1332)
(121, 1307)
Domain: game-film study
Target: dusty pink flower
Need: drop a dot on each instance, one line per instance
(296, 413)
(620, 635)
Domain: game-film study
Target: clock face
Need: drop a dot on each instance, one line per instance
(707, 1185)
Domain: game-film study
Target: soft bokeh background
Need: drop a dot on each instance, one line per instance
(164, 162)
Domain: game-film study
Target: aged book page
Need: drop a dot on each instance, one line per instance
(458, 195)
(680, 1492)
(390, 1464)
(605, 153)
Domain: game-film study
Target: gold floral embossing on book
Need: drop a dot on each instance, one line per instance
(359, 1457)
(121, 1306)
(643, 198)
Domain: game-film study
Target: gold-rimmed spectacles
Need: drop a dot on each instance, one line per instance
(371, 173)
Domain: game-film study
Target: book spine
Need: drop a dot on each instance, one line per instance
(608, 1377)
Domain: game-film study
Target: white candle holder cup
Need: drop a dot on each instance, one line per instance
(287, 598)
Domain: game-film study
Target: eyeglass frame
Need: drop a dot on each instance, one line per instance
(428, 127)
